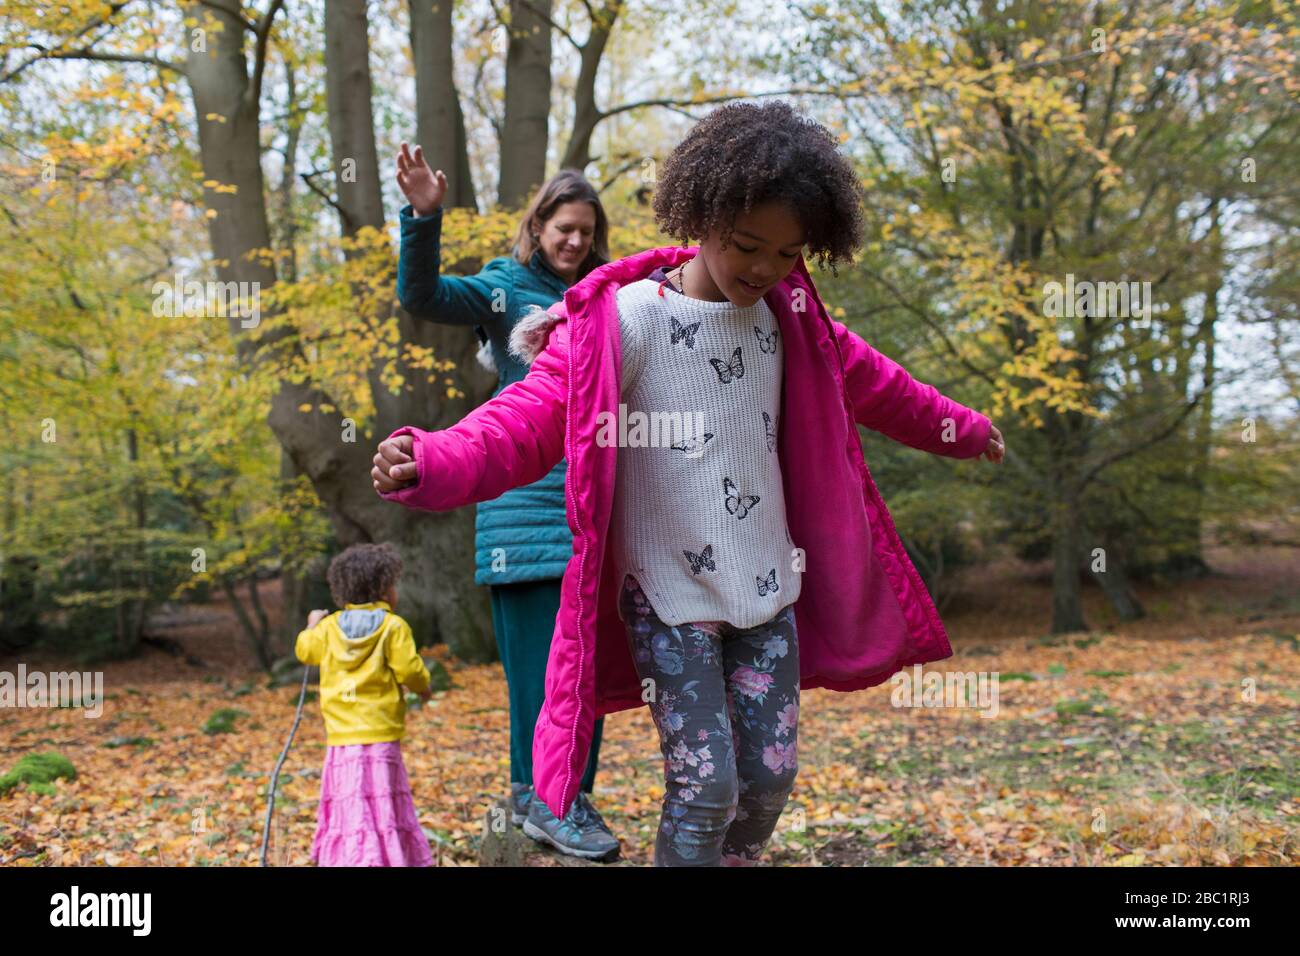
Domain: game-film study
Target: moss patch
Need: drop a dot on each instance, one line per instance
(38, 771)
(223, 721)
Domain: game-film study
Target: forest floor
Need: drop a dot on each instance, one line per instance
(1168, 741)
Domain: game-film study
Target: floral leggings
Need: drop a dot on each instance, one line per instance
(726, 704)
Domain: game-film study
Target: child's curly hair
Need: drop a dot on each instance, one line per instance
(363, 573)
(743, 154)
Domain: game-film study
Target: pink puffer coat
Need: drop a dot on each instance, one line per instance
(863, 613)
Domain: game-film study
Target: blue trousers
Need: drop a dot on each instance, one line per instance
(523, 619)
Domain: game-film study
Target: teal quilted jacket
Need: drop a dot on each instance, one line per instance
(522, 535)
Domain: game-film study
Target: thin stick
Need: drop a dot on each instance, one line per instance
(275, 774)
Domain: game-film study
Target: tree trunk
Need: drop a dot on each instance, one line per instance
(230, 151)
(293, 586)
(352, 134)
(437, 602)
(586, 114)
(259, 614)
(19, 608)
(137, 607)
(352, 139)
(439, 122)
(20, 623)
(257, 640)
(1190, 559)
(288, 225)
(528, 102)
(1115, 584)
(351, 121)
(1067, 605)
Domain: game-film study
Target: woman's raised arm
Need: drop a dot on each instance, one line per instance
(421, 288)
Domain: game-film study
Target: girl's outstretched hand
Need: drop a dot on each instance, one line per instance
(394, 467)
(996, 448)
(422, 187)
(314, 617)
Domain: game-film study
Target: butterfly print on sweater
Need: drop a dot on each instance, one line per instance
(770, 427)
(685, 333)
(702, 560)
(737, 504)
(767, 343)
(692, 447)
(729, 370)
(767, 585)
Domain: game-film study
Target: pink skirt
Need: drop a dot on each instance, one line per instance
(367, 816)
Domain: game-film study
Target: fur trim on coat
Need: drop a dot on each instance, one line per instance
(531, 333)
(484, 357)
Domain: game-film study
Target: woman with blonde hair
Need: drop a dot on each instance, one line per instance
(522, 538)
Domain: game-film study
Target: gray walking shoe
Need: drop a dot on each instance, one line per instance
(582, 832)
(521, 796)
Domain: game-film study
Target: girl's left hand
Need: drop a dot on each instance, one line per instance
(315, 616)
(996, 446)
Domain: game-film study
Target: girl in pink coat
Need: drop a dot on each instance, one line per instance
(730, 547)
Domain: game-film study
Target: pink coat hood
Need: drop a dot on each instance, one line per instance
(863, 613)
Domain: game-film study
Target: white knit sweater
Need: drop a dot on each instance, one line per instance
(699, 509)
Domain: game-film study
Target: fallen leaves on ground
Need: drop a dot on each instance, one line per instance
(1105, 750)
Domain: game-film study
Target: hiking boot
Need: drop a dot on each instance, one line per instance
(581, 833)
(521, 796)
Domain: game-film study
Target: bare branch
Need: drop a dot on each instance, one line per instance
(617, 174)
(1147, 441)
(263, 32)
(97, 56)
(704, 101)
(307, 178)
(46, 54)
(248, 25)
(555, 26)
(933, 326)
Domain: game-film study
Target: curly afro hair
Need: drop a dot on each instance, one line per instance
(744, 154)
(363, 573)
